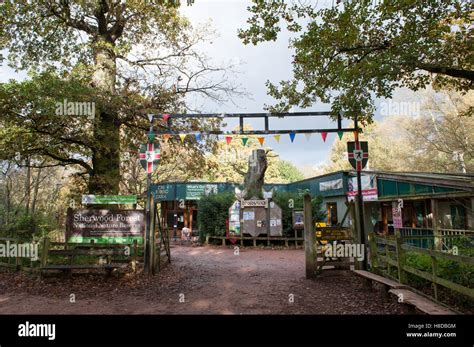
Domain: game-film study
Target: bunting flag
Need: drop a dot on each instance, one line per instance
(277, 138)
(324, 135)
(182, 137)
(244, 140)
(340, 134)
(292, 136)
(356, 135)
(228, 139)
(198, 137)
(261, 140)
(308, 136)
(166, 137)
(166, 117)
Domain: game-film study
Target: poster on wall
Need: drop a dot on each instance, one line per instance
(369, 188)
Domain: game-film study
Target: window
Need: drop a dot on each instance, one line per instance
(458, 216)
(332, 213)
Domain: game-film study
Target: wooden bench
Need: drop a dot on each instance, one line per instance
(386, 283)
(423, 304)
(68, 268)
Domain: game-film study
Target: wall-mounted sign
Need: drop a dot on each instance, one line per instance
(298, 219)
(255, 203)
(369, 188)
(109, 199)
(150, 156)
(330, 185)
(105, 226)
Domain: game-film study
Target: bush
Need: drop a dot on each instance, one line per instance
(213, 213)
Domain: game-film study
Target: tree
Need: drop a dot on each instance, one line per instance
(439, 139)
(349, 53)
(229, 162)
(124, 57)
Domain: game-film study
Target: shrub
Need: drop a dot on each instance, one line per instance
(213, 213)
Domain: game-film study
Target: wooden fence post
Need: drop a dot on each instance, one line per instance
(310, 251)
(373, 252)
(434, 268)
(44, 252)
(402, 278)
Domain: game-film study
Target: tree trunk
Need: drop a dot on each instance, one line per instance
(105, 176)
(27, 186)
(255, 177)
(35, 192)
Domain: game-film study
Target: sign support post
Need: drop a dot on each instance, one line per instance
(360, 205)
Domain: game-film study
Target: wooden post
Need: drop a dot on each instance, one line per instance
(355, 230)
(135, 254)
(310, 252)
(207, 239)
(44, 252)
(434, 223)
(400, 259)
(373, 252)
(434, 268)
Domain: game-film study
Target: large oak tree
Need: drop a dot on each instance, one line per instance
(354, 50)
(128, 57)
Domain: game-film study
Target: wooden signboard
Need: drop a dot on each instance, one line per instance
(105, 226)
(333, 233)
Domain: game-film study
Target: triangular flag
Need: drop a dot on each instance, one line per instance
(261, 140)
(166, 117)
(182, 137)
(198, 137)
(340, 134)
(308, 136)
(228, 139)
(356, 135)
(292, 136)
(244, 140)
(277, 138)
(166, 137)
(324, 135)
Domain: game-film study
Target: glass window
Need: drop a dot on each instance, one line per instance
(332, 213)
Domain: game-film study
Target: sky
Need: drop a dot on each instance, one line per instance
(266, 61)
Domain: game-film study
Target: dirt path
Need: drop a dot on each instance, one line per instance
(200, 280)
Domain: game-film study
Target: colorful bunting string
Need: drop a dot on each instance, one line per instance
(244, 140)
(228, 139)
(182, 137)
(340, 134)
(292, 136)
(198, 137)
(166, 117)
(261, 140)
(166, 137)
(277, 138)
(308, 136)
(324, 135)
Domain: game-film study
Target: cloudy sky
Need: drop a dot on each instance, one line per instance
(266, 61)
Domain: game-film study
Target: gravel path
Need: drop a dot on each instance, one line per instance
(200, 280)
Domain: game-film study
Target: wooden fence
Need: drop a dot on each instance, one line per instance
(389, 253)
(241, 239)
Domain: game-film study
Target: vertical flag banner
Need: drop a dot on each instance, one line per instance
(358, 153)
(244, 140)
(308, 136)
(292, 136)
(228, 139)
(340, 134)
(182, 137)
(324, 135)
(150, 156)
(261, 140)
(277, 138)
